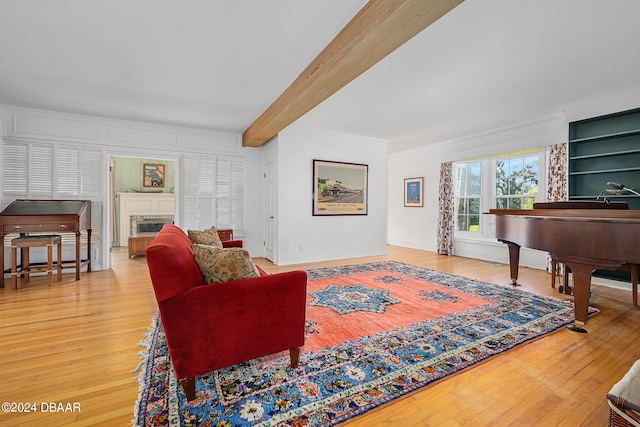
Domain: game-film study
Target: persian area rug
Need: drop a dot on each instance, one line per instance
(374, 333)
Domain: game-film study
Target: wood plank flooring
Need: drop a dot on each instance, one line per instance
(77, 343)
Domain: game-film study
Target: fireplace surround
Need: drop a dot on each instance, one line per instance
(144, 213)
(148, 223)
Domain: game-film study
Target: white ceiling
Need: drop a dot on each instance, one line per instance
(218, 64)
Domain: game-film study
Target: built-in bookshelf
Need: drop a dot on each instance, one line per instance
(601, 150)
(605, 149)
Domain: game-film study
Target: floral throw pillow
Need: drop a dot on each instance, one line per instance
(205, 237)
(223, 265)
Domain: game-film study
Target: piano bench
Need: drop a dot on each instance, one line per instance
(27, 242)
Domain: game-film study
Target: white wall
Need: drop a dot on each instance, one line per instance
(254, 203)
(417, 227)
(412, 226)
(302, 237)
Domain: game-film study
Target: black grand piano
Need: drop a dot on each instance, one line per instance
(48, 216)
(585, 236)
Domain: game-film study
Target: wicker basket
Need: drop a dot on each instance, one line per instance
(622, 413)
(624, 399)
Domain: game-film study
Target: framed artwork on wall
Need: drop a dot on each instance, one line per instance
(339, 188)
(414, 192)
(153, 175)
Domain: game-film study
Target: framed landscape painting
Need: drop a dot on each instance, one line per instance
(414, 192)
(339, 188)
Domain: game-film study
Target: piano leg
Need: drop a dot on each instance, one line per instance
(89, 250)
(2, 259)
(514, 261)
(634, 284)
(78, 256)
(581, 292)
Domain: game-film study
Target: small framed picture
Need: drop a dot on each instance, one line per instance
(153, 175)
(414, 192)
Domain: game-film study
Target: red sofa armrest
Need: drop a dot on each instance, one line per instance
(261, 271)
(232, 243)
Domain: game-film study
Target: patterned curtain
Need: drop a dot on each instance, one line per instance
(557, 173)
(446, 211)
(557, 182)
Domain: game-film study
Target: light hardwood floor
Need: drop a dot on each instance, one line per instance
(77, 343)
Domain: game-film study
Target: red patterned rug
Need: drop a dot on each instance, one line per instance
(356, 306)
(374, 333)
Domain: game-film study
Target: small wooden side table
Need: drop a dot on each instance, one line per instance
(138, 244)
(225, 234)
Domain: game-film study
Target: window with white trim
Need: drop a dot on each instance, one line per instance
(505, 181)
(517, 179)
(467, 190)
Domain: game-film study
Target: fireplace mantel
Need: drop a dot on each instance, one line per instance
(140, 204)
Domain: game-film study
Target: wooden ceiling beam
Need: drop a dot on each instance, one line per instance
(378, 29)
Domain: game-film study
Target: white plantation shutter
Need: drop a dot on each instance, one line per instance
(198, 190)
(68, 174)
(207, 168)
(15, 172)
(91, 165)
(189, 203)
(237, 196)
(230, 194)
(212, 193)
(206, 192)
(44, 171)
(40, 171)
(190, 173)
(188, 210)
(223, 194)
(27, 171)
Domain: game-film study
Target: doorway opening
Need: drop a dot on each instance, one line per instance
(135, 207)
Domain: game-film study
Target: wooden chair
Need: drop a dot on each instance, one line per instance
(27, 242)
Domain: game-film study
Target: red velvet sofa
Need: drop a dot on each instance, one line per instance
(214, 326)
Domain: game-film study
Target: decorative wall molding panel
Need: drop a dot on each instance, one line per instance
(34, 125)
(39, 125)
(197, 142)
(142, 137)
